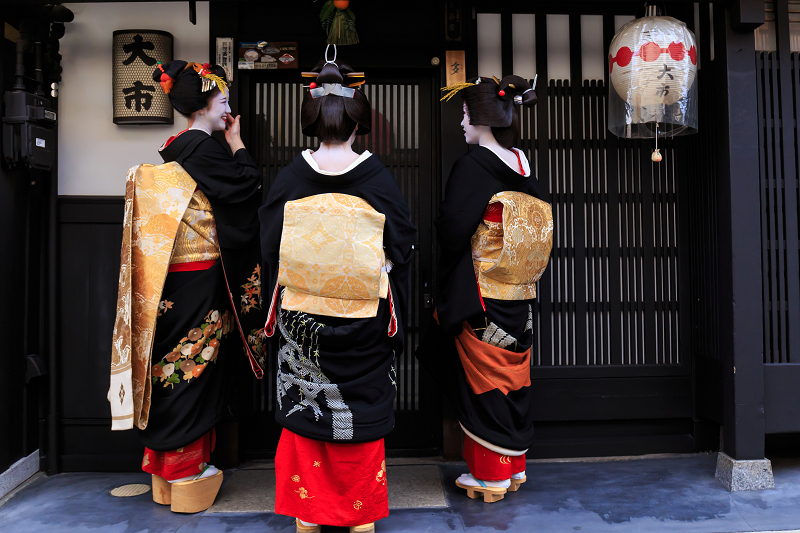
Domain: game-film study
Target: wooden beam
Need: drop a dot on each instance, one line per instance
(739, 239)
(748, 14)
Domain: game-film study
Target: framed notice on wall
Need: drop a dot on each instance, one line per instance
(225, 55)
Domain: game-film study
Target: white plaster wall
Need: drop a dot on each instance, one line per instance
(94, 154)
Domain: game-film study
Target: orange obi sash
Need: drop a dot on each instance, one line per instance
(489, 367)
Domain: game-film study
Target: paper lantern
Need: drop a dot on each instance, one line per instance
(137, 98)
(652, 65)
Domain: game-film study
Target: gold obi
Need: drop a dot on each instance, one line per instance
(510, 256)
(332, 261)
(197, 233)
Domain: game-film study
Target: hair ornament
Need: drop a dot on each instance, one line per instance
(454, 89)
(518, 97)
(501, 92)
(166, 81)
(210, 80)
(334, 55)
(335, 89)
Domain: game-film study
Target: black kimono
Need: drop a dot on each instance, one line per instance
(503, 420)
(185, 410)
(355, 356)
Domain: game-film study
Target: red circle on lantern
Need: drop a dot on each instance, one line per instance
(676, 51)
(650, 52)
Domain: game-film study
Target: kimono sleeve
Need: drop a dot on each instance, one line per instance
(225, 178)
(271, 219)
(469, 189)
(399, 235)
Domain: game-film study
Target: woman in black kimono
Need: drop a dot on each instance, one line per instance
(197, 329)
(478, 346)
(336, 375)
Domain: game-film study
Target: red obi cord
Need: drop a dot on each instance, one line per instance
(185, 461)
(334, 484)
(486, 465)
(192, 267)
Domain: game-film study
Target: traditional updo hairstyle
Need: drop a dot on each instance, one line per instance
(332, 117)
(492, 103)
(182, 82)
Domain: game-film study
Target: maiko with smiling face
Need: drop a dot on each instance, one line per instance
(495, 233)
(176, 329)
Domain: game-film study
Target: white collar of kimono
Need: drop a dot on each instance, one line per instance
(525, 165)
(313, 164)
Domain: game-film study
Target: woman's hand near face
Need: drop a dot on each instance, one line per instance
(232, 133)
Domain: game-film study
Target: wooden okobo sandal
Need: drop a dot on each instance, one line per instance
(363, 528)
(490, 494)
(515, 484)
(162, 490)
(302, 528)
(196, 495)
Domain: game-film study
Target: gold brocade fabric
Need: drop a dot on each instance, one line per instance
(156, 198)
(197, 234)
(509, 257)
(332, 261)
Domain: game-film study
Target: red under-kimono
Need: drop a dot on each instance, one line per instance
(486, 465)
(330, 483)
(186, 461)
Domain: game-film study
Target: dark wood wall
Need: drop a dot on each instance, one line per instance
(23, 219)
(90, 237)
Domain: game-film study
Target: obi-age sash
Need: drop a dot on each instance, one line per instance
(511, 247)
(332, 261)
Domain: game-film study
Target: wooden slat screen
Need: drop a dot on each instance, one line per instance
(779, 145)
(610, 296)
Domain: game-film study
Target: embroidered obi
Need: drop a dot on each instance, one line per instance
(197, 233)
(511, 247)
(332, 261)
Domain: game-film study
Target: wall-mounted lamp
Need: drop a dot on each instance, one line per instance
(137, 98)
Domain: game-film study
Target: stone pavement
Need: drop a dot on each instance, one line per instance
(649, 495)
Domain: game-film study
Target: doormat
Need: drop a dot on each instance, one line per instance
(253, 491)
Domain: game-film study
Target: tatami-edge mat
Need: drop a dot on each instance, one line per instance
(253, 491)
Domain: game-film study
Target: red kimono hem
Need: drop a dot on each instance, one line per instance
(332, 484)
(185, 461)
(486, 465)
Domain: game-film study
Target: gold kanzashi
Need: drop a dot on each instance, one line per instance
(453, 90)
